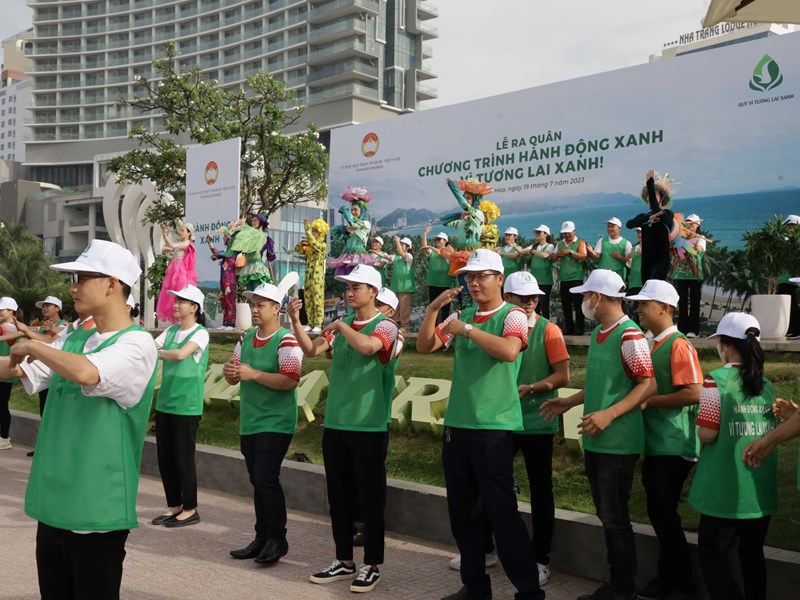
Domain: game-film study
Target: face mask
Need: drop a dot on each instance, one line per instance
(587, 311)
(721, 353)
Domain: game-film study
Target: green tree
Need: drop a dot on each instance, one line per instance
(775, 249)
(276, 169)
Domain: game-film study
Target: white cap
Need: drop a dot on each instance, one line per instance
(483, 260)
(131, 301)
(7, 303)
(693, 218)
(442, 236)
(542, 227)
(614, 221)
(792, 220)
(736, 325)
(107, 258)
(362, 274)
(193, 294)
(567, 226)
(190, 229)
(511, 231)
(602, 281)
(522, 283)
(387, 296)
(637, 228)
(265, 290)
(50, 300)
(406, 241)
(378, 238)
(658, 290)
(794, 279)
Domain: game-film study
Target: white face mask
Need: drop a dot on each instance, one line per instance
(587, 311)
(721, 353)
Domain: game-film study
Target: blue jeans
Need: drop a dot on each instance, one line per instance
(610, 477)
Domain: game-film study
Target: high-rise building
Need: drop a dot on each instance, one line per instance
(722, 34)
(15, 96)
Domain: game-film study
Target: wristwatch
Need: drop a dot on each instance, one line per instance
(467, 329)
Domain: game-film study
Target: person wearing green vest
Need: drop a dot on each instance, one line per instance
(183, 348)
(569, 255)
(671, 446)
(510, 252)
(266, 363)
(437, 276)
(9, 334)
(542, 267)
(376, 248)
(354, 438)
(483, 413)
(611, 251)
(85, 473)
(735, 500)
(619, 378)
(403, 280)
(687, 276)
(634, 258)
(758, 450)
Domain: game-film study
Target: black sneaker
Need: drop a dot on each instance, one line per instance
(338, 570)
(368, 578)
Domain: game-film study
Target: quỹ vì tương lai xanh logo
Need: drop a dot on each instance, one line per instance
(370, 144)
(766, 75)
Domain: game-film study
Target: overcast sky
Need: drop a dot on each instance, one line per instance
(488, 48)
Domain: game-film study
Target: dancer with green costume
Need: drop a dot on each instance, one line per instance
(249, 238)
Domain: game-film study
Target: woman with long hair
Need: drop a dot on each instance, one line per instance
(179, 273)
(734, 499)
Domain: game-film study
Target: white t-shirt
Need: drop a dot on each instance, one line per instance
(199, 336)
(125, 367)
(409, 258)
(598, 247)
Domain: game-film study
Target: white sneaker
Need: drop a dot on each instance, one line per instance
(316, 330)
(544, 573)
(306, 328)
(5, 444)
(491, 560)
(691, 335)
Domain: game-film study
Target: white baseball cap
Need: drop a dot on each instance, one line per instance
(406, 241)
(614, 221)
(50, 300)
(602, 281)
(378, 238)
(131, 301)
(522, 283)
(362, 274)
(658, 290)
(542, 227)
(193, 294)
(693, 218)
(794, 279)
(442, 236)
(7, 303)
(107, 258)
(736, 325)
(792, 220)
(511, 231)
(388, 297)
(567, 226)
(483, 260)
(265, 290)
(637, 228)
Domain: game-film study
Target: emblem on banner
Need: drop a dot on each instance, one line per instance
(211, 173)
(766, 75)
(370, 144)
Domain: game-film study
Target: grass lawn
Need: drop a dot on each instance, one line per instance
(416, 457)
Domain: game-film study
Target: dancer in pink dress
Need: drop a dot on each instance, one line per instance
(180, 271)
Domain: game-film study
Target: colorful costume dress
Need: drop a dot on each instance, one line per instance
(314, 249)
(180, 273)
(253, 243)
(468, 229)
(355, 242)
(227, 282)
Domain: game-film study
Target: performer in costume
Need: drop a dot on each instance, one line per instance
(403, 280)
(180, 271)
(250, 238)
(354, 233)
(314, 249)
(228, 284)
(657, 225)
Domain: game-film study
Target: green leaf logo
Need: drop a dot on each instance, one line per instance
(766, 75)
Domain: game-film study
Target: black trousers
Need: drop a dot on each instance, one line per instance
(356, 458)
(732, 557)
(689, 291)
(5, 412)
(175, 444)
(537, 450)
(543, 308)
(610, 478)
(42, 401)
(479, 475)
(78, 566)
(663, 478)
(433, 293)
(571, 303)
(263, 454)
(790, 289)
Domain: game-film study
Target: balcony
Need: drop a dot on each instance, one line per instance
(426, 10)
(426, 92)
(337, 51)
(337, 31)
(427, 51)
(340, 72)
(322, 13)
(427, 30)
(423, 74)
(344, 90)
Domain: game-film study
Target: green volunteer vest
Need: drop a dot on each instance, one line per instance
(542, 269)
(609, 262)
(606, 384)
(570, 269)
(5, 350)
(684, 270)
(357, 391)
(402, 276)
(85, 472)
(535, 367)
(437, 274)
(635, 274)
(483, 394)
(182, 381)
(724, 485)
(669, 431)
(262, 409)
(510, 265)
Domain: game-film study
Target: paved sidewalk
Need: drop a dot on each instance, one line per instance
(193, 562)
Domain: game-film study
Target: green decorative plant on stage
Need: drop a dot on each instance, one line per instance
(775, 249)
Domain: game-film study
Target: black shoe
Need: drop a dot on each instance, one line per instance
(465, 594)
(252, 550)
(162, 519)
(175, 522)
(606, 592)
(272, 552)
(29, 453)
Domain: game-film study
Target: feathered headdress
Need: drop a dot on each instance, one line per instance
(356, 194)
(490, 211)
(320, 225)
(664, 183)
(474, 187)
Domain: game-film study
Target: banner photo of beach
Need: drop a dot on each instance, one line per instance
(724, 123)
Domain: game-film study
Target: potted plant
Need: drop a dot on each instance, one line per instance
(775, 249)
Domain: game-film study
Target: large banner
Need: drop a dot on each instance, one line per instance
(721, 122)
(212, 199)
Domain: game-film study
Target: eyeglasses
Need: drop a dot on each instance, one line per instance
(479, 277)
(76, 278)
(527, 299)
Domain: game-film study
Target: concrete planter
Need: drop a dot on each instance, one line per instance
(244, 317)
(772, 312)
